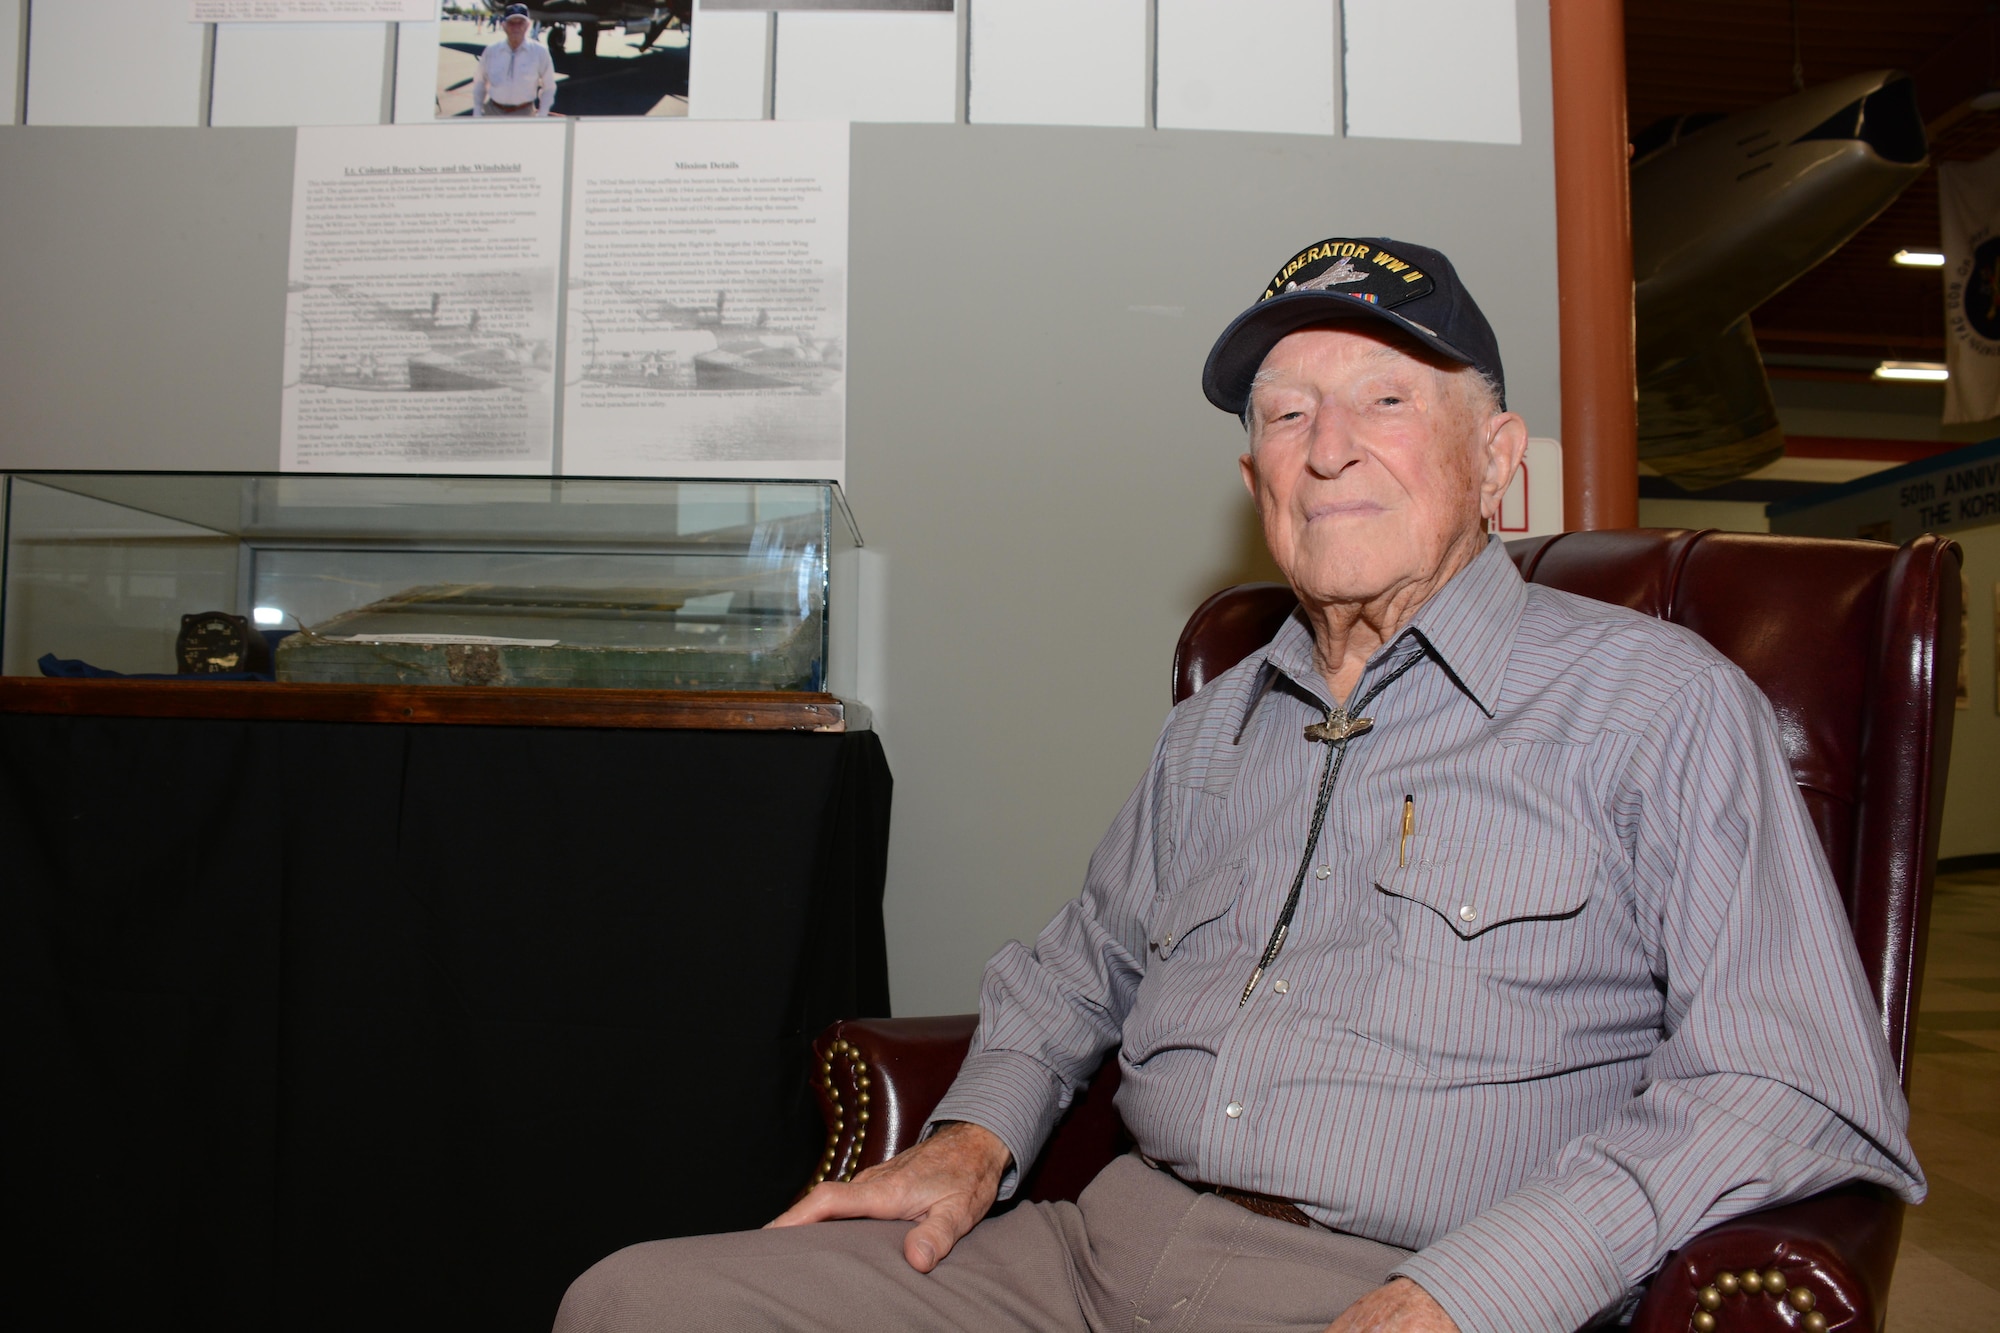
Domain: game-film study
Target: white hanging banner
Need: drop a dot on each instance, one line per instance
(311, 11)
(1969, 210)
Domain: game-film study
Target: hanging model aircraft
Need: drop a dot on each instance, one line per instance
(1726, 212)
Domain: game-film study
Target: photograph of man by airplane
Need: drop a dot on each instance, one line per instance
(610, 57)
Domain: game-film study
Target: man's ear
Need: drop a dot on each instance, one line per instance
(1249, 468)
(1500, 456)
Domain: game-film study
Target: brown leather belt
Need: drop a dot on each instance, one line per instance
(1264, 1205)
(509, 106)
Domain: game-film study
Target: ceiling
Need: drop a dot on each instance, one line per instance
(1731, 55)
(1825, 333)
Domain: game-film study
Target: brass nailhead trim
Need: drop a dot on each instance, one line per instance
(1750, 1282)
(843, 1154)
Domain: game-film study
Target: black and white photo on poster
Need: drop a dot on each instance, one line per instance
(564, 58)
(706, 318)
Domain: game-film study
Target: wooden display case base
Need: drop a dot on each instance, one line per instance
(484, 706)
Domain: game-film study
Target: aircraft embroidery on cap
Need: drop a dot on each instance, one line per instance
(1344, 271)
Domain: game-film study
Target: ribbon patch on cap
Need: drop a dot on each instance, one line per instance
(1352, 268)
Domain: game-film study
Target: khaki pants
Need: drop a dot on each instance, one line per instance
(1139, 1251)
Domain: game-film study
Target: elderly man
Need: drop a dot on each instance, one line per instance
(516, 77)
(1466, 949)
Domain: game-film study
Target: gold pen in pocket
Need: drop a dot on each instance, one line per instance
(1409, 829)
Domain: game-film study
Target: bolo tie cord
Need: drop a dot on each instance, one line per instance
(1339, 730)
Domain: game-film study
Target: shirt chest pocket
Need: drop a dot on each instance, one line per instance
(1205, 901)
(1479, 943)
(1496, 907)
(1192, 943)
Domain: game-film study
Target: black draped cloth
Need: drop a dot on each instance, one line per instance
(336, 1026)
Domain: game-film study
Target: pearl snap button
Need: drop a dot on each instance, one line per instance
(1281, 985)
(1233, 1110)
(1468, 913)
(1323, 871)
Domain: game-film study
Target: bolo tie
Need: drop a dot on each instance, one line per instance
(1342, 725)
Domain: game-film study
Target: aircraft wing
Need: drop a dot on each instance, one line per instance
(1726, 211)
(1707, 418)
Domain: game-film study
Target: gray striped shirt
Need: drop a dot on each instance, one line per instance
(1606, 995)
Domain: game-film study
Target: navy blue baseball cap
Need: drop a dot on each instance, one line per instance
(1412, 287)
(514, 12)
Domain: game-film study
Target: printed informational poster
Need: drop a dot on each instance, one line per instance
(420, 324)
(706, 330)
(311, 11)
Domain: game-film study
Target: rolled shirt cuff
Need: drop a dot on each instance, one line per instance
(1016, 1096)
(1531, 1261)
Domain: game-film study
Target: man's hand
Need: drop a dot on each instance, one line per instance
(945, 1185)
(1399, 1306)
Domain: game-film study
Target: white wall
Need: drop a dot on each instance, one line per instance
(1252, 65)
(81, 69)
(1058, 62)
(881, 67)
(300, 73)
(732, 78)
(13, 17)
(1433, 69)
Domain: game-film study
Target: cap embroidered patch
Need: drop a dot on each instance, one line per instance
(1359, 269)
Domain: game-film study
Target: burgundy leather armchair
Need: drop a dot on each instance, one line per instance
(1856, 643)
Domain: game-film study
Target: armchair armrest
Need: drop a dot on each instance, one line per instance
(877, 1081)
(1833, 1254)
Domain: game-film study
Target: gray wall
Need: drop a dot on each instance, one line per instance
(1033, 458)
(144, 273)
(1044, 490)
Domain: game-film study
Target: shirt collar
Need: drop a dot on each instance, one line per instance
(1467, 627)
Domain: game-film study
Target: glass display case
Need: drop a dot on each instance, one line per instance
(648, 584)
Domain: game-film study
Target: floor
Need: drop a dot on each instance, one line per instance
(1948, 1271)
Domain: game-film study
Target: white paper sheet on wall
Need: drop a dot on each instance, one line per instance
(420, 320)
(1250, 65)
(731, 79)
(310, 11)
(874, 67)
(1470, 91)
(298, 74)
(1058, 62)
(82, 69)
(416, 72)
(706, 326)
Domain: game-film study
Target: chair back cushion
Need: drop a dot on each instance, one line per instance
(1856, 645)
